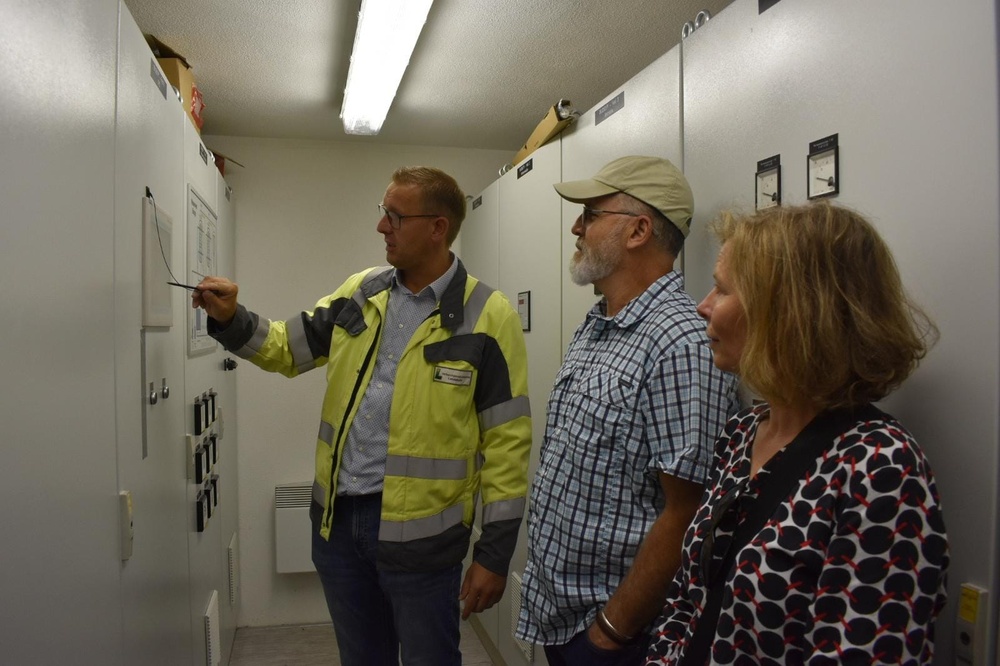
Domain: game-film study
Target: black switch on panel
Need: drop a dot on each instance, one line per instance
(211, 412)
(214, 445)
(229, 364)
(200, 464)
(199, 425)
(200, 512)
(209, 503)
(204, 405)
(215, 489)
(207, 465)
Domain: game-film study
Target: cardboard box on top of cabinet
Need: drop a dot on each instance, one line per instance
(220, 162)
(177, 70)
(556, 119)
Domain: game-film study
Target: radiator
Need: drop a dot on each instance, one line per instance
(292, 529)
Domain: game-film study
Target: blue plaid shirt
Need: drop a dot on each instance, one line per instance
(637, 394)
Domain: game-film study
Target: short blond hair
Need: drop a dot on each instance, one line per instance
(439, 190)
(828, 320)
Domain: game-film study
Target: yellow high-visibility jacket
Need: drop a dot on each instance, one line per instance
(459, 425)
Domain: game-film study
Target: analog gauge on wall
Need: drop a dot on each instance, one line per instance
(823, 168)
(767, 183)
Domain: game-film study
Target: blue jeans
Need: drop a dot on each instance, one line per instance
(581, 652)
(380, 616)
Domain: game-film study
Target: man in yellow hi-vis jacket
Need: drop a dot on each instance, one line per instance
(426, 408)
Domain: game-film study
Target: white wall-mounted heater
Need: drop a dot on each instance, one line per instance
(292, 529)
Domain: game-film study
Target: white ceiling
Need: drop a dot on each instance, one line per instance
(482, 76)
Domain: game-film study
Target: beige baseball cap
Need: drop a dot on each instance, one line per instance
(652, 180)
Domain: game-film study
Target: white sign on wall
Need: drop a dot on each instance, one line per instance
(203, 257)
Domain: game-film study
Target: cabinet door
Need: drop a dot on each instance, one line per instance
(228, 509)
(481, 255)
(60, 576)
(151, 462)
(530, 269)
(480, 252)
(210, 250)
(891, 79)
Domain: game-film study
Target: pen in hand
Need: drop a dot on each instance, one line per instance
(193, 288)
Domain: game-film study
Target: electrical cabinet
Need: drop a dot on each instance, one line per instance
(149, 355)
(752, 84)
(530, 272)
(510, 240)
(480, 255)
(210, 394)
(479, 234)
(60, 580)
(228, 472)
(94, 487)
(890, 79)
(529, 225)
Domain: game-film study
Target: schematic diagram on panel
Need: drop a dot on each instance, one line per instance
(203, 260)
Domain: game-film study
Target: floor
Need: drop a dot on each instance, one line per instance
(315, 645)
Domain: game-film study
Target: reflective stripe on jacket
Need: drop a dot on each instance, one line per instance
(459, 422)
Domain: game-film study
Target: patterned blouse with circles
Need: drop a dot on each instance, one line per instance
(849, 569)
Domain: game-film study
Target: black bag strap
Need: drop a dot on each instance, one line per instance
(783, 479)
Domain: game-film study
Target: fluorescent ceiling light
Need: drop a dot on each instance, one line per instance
(387, 33)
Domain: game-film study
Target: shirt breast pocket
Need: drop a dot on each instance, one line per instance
(607, 401)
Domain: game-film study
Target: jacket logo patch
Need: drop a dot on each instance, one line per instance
(452, 376)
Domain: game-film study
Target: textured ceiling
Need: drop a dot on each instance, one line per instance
(482, 76)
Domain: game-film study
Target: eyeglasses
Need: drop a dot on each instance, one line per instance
(591, 214)
(396, 220)
(724, 509)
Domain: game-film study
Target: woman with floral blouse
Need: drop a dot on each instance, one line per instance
(847, 564)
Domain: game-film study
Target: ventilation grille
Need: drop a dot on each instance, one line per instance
(293, 495)
(292, 528)
(213, 649)
(234, 570)
(527, 649)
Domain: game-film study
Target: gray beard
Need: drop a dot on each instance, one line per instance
(596, 263)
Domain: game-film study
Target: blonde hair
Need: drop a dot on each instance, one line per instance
(828, 321)
(439, 190)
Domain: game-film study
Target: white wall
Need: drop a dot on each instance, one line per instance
(305, 220)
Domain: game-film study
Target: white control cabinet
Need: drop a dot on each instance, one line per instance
(530, 267)
(480, 255)
(149, 363)
(910, 87)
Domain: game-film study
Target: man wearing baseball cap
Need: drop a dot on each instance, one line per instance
(632, 419)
